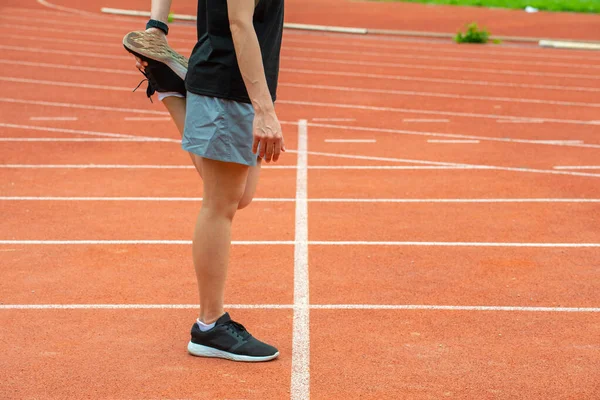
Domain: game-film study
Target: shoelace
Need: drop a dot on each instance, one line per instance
(149, 90)
(238, 329)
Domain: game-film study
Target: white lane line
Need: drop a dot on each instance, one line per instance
(350, 141)
(520, 121)
(312, 167)
(81, 106)
(81, 132)
(466, 201)
(64, 14)
(424, 120)
(166, 199)
(36, 11)
(137, 242)
(93, 166)
(40, 29)
(310, 242)
(413, 307)
(394, 167)
(437, 57)
(112, 45)
(567, 167)
(84, 140)
(451, 135)
(69, 67)
(65, 21)
(289, 200)
(64, 84)
(451, 308)
(559, 142)
(452, 244)
(53, 118)
(134, 306)
(437, 67)
(568, 44)
(434, 112)
(147, 118)
(300, 380)
(86, 14)
(439, 95)
(38, 50)
(81, 13)
(391, 77)
(334, 119)
(452, 141)
(373, 158)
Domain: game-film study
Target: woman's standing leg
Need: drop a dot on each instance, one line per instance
(224, 185)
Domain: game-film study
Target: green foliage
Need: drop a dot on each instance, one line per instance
(582, 6)
(472, 35)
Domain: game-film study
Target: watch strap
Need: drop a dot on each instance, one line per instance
(153, 23)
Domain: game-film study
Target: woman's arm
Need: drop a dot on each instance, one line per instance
(267, 130)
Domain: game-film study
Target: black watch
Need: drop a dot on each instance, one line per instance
(154, 23)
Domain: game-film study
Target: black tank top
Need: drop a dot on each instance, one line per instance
(213, 68)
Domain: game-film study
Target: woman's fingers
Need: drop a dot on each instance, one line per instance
(270, 150)
(277, 150)
(262, 147)
(140, 64)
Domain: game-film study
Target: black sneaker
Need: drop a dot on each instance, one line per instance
(229, 340)
(166, 68)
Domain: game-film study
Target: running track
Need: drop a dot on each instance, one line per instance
(451, 249)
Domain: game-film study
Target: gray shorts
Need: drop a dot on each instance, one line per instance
(219, 129)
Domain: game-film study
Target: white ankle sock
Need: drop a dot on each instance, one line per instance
(205, 327)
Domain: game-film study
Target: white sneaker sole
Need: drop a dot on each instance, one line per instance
(152, 47)
(204, 351)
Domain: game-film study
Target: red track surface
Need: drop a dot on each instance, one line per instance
(393, 225)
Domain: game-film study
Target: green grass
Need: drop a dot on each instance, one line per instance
(473, 35)
(582, 6)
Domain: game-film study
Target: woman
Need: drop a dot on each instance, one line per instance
(225, 112)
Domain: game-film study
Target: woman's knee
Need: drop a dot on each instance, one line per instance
(224, 197)
(222, 207)
(224, 186)
(250, 189)
(244, 202)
